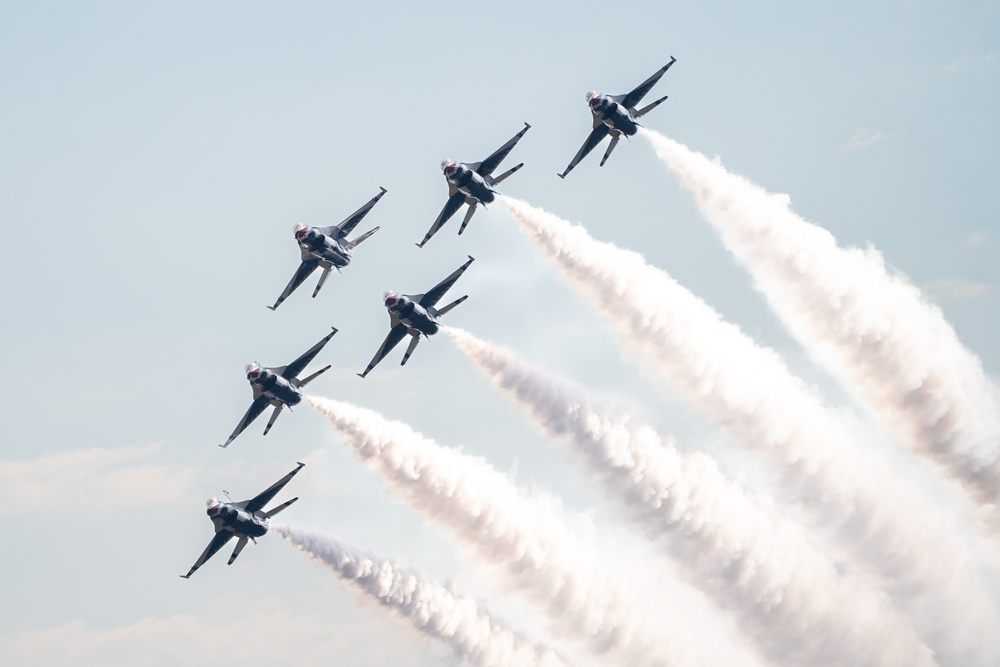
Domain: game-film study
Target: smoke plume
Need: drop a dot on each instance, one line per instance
(750, 559)
(873, 330)
(887, 526)
(585, 599)
(433, 609)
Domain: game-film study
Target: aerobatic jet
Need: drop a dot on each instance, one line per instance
(326, 248)
(278, 386)
(416, 315)
(616, 115)
(246, 520)
(472, 183)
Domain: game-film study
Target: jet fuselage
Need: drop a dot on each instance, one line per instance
(228, 516)
(272, 385)
(330, 253)
(412, 314)
(469, 182)
(614, 115)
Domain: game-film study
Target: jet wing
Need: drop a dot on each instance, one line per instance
(432, 296)
(217, 543)
(396, 334)
(454, 202)
(351, 221)
(305, 269)
(596, 136)
(293, 369)
(635, 96)
(257, 407)
(489, 165)
(264, 497)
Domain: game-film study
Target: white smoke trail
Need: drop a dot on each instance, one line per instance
(431, 607)
(871, 329)
(785, 593)
(586, 600)
(885, 523)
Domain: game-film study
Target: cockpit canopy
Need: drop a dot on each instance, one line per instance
(594, 98)
(212, 506)
(390, 298)
(301, 231)
(253, 370)
(449, 167)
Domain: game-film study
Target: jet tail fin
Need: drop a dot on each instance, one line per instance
(356, 242)
(303, 382)
(649, 107)
(239, 547)
(279, 508)
(611, 147)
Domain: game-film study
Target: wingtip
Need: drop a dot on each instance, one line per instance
(335, 330)
(527, 126)
(471, 258)
(382, 189)
(562, 175)
(272, 308)
(224, 445)
(300, 464)
(185, 576)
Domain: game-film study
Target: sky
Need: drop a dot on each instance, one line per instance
(153, 162)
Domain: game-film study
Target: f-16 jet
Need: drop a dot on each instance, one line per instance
(416, 315)
(278, 386)
(616, 115)
(326, 248)
(246, 520)
(472, 183)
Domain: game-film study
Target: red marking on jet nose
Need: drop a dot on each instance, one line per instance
(449, 168)
(595, 100)
(213, 510)
(301, 232)
(254, 373)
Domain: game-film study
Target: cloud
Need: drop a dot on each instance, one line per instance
(971, 61)
(256, 638)
(864, 138)
(977, 239)
(956, 290)
(97, 479)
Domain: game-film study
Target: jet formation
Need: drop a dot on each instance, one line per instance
(414, 315)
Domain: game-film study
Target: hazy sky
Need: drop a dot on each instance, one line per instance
(154, 159)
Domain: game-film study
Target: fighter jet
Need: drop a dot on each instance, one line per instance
(616, 115)
(415, 314)
(326, 248)
(246, 520)
(472, 183)
(278, 386)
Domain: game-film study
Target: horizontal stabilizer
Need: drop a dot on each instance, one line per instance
(274, 417)
(499, 179)
(239, 547)
(315, 375)
(611, 147)
(279, 508)
(356, 242)
(410, 348)
(468, 216)
(451, 305)
(649, 107)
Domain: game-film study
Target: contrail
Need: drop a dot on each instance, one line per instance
(785, 593)
(432, 608)
(873, 330)
(887, 525)
(586, 600)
